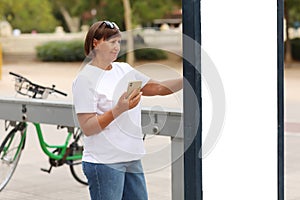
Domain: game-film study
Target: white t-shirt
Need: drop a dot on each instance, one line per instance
(97, 91)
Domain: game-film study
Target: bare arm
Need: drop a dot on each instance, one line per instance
(91, 123)
(153, 87)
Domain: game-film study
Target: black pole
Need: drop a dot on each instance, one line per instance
(192, 99)
(280, 98)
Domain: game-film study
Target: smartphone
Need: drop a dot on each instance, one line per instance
(132, 85)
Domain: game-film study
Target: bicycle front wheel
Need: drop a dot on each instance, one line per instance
(10, 153)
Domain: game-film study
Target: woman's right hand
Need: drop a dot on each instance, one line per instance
(126, 103)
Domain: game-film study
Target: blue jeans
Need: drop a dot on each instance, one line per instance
(120, 181)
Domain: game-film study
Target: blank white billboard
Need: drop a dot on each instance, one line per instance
(240, 38)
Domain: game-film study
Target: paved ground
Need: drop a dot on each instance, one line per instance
(292, 132)
(29, 182)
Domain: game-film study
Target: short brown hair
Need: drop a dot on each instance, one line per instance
(98, 31)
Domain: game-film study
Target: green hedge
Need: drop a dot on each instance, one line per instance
(295, 46)
(150, 54)
(61, 51)
(73, 51)
(145, 54)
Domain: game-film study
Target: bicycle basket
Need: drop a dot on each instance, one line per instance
(26, 88)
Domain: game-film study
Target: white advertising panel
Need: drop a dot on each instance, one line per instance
(239, 39)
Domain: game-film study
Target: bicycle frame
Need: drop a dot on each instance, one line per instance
(45, 146)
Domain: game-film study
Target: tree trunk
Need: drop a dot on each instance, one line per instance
(288, 49)
(129, 34)
(72, 22)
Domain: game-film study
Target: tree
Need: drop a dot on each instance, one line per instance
(146, 11)
(291, 15)
(30, 18)
(71, 11)
(77, 12)
(143, 14)
(87, 12)
(128, 25)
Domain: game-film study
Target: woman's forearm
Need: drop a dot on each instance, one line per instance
(173, 85)
(166, 87)
(92, 123)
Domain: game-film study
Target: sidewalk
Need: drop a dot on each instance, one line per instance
(29, 182)
(292, 131)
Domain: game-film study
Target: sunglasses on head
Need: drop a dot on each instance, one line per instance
(109, 24)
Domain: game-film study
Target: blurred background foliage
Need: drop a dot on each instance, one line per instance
(29, 15)
(292, 20)
(292, 12)
(45, 15)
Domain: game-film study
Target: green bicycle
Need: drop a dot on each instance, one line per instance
(70, 152)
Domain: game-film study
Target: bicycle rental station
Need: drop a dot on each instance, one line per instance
(183, 127)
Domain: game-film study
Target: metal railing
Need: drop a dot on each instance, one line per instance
(166, 122)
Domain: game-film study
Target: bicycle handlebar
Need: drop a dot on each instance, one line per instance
(23, 86)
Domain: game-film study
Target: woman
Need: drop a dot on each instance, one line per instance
(111, 119)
